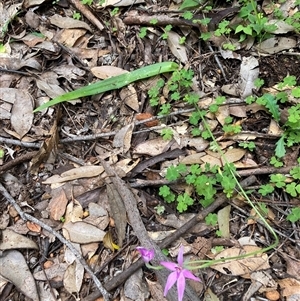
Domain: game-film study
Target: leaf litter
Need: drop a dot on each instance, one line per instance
(67, 187)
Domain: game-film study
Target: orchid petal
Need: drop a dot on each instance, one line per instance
(169, 265)
(178, 274)
(172, 278)
(180, 286)
(180, 257)
(188, 274)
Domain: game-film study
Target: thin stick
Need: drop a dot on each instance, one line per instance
(87, 13)
(20, 143)
(9, 165)
(26, 216)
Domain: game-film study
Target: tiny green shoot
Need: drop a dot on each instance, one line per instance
(87, 2)
(76, 16)
(211, 219)
(143, 32)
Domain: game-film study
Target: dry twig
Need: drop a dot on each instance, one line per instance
(87, 13)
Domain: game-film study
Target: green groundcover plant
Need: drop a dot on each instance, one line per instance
(253, 22)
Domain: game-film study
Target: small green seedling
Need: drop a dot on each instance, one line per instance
(211, 219)
(115, 11)
(160, 209)
(2, 48)
(249, 145)
(190, 4)
(258, 83)
(276, 162)
(143, 32)
(165, 35)
(167, 134)
(87, 2)
(153, 21)
(76, 16)
(217, 249)
(294, 216)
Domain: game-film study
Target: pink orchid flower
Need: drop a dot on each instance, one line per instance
(146, 254)
(178, 274)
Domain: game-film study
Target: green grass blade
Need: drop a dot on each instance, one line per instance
(112, 83)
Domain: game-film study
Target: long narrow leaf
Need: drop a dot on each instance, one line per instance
(112, 83)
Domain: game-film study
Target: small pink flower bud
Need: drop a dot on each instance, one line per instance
(146, 254)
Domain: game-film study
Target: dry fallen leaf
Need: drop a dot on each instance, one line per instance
(143, 116)
(103, 72)
(289, 287)
(242, 267)
(233, 155)
(223, 221)
(29, 3)
(66, 22)
(14, 268)
(277, 44)
(249, 72)
(33, 227)
(86, 171)
(69, 37)
(152, 147)
(122, 139)
(57, 205)
(129, 96)
(47, 150)
(117, 212)
(7, 14)
(222, 114)
(13, 240)
(73, 276)
(135, 287)
(293, 266)
(74, 212)
(193, 158)
(156, 290)
(98, 216)
(126, 165)
(22, 113)
(55, 271)
(282, 26)
(82, 233)
(178, 50)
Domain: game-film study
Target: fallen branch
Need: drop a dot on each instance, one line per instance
(265, 171)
